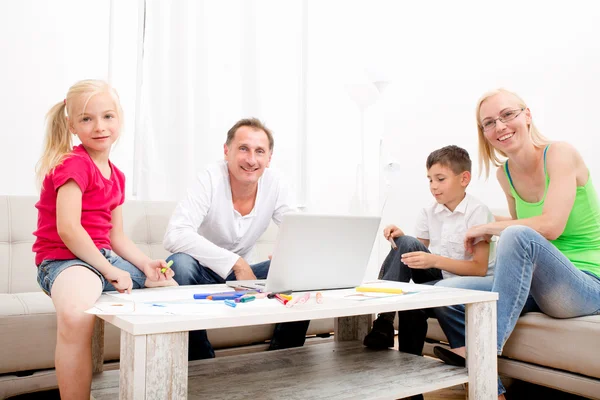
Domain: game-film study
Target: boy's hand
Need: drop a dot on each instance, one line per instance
(120, 279)
(153, 268)
(392, 231)
(419, 259)
(474, 232)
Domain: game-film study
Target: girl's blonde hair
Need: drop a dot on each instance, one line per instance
(487, 153)
(58, 142)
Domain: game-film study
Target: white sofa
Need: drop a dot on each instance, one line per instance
(27, 316)
(563, 354)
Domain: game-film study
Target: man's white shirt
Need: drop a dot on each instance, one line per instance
(205, 225)
(446, 229)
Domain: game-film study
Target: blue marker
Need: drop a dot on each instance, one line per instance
(199, 296)
(230, 303)
(224, 297)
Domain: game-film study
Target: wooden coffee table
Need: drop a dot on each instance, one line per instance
(153, 360)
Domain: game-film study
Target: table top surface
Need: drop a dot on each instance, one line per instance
(216, 314)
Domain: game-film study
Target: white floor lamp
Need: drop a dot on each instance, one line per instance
(364, 95)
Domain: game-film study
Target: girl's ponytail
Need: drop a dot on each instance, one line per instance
(57, 143)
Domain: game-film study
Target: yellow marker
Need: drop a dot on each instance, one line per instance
(168, 266)
(286, 296)
(379, 290)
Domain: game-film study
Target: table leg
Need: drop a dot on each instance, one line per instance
(482, 362)
(154, 366)
(98, 346)
(352, 328)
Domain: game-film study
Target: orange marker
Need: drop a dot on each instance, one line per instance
(319, 298)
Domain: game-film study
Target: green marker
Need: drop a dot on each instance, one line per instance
(168, 266)
(246, 299)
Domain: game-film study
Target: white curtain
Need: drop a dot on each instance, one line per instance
(207, 64)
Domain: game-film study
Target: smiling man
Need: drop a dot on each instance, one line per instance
(213, 230)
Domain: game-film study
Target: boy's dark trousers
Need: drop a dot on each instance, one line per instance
(412, 324)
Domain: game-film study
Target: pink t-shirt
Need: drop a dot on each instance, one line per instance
(100, 197)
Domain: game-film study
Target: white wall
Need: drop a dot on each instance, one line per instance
(440, 57)
(46, 46)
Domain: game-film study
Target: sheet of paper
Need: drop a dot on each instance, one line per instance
(159, 308)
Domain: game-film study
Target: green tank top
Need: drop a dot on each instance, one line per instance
(580, 241)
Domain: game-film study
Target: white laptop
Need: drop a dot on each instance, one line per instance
(317, 252)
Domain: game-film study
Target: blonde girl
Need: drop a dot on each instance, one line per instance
(80, 226)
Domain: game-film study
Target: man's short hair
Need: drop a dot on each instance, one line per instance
(253, 123)
(454, 157)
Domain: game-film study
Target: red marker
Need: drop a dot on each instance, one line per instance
(279, 298)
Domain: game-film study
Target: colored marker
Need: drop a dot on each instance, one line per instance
(280, 299)
(379, 290)
(292, 302)
(224, 297)
(319, 298)
(199, 296)
(391, 240)
(272, 295)
(286, 296)
(230, 303)
(304, 298)
(244, 299)
(168, 266)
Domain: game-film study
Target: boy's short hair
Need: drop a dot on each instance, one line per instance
(454, 157)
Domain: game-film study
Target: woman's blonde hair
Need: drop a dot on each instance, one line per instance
(58, 142)
(487, 153)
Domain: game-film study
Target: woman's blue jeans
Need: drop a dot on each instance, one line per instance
(528, 266)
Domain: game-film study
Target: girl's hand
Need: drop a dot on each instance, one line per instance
(120, 279)
(419, 259)
(474, 232)
(153, 268)
(392, 231)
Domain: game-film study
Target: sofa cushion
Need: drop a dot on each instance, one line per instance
(18, 219)
(28, 333)
(558, 343)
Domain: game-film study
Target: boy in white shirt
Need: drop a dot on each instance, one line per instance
(437, 255)
(213, 230)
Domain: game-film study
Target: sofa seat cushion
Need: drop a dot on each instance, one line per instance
(28, 333)
(558, 343)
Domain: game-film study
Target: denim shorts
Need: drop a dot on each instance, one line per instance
(49, 270)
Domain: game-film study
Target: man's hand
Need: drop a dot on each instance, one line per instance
(120, 279)
(153, 268)
(392, 231)
(242, 270)
(419, 259)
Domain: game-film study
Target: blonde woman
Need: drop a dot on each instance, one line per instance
(548, 255)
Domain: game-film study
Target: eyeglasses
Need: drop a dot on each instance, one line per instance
(507, 115)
